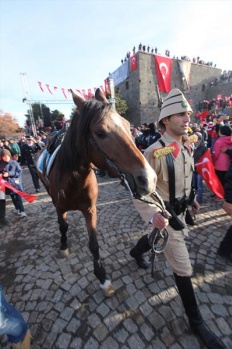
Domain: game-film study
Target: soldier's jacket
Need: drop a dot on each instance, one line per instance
(28, 154)
(184, 166)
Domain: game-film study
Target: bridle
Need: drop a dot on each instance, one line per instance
(126, 179)
(129, 183)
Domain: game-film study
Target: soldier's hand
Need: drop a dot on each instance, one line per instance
(195, 206)
(227, 207)
(159, 221)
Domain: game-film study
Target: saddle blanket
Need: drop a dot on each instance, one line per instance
(45, 161)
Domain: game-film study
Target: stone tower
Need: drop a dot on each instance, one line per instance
(139, 87)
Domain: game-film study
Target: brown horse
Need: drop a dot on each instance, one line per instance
(97, 136)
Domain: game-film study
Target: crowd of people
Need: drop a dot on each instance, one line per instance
(226, 76)
(214, 103)
(196, 60)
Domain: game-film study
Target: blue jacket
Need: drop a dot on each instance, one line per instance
(14, 170)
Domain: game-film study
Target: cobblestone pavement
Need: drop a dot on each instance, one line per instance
(61, 298)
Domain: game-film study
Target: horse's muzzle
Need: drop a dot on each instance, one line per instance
(129, 183)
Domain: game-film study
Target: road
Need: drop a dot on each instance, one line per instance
(61, 298)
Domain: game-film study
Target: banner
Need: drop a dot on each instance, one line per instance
(164, 72)
(121, 74)
(184, 68)
(205, 168)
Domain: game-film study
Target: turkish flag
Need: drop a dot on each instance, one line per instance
(63, 90)
(83, 94)
(48, 87)
(90, 94)
(40, 85)
(107, 87)
(133, 62)
(163, 72)
(205, 168)
(29, 197)
(204, 115)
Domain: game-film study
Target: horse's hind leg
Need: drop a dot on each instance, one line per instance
(63, 231)
(99, 270)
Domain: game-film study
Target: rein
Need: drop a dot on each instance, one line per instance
(156, 235)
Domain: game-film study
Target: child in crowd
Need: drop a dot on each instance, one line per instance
(11, 171)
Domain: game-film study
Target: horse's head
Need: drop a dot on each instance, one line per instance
(111, 146)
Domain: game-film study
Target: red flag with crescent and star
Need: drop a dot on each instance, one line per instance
(205, 168)
(133, 62)
(164, 72)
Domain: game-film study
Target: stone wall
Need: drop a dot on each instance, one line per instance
(223, 88)
(139, 89)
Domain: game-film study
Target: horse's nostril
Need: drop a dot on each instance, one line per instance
(142, 181)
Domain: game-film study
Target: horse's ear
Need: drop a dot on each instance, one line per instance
(99, 95)
(79, 101)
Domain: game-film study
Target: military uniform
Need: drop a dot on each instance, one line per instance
(184, 166)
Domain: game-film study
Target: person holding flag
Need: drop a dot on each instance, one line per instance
(11, 172)
(10, 184)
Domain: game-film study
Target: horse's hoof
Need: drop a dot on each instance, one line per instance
(64, 253)
(107, 288)
(109, 292)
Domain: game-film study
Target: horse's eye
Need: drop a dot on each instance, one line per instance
(101, 134)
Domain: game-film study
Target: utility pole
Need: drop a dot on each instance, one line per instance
(27, 99)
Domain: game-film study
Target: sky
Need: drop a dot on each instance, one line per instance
(76, 44)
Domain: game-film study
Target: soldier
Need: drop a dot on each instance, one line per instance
(29, 157)
(172, 159)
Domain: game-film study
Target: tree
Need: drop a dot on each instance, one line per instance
(8, 125)
(57, 115)
(120, 104)
(41, 111)
(46, 116)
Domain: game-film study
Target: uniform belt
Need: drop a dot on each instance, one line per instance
(179, 205)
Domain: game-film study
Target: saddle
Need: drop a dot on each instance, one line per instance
(56, 140)
(47, 157)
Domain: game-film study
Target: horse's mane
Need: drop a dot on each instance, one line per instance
(74, 148)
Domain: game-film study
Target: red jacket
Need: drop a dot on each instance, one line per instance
(221, 160)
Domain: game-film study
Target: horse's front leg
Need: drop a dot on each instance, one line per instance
(99, 269)
(63, 232)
